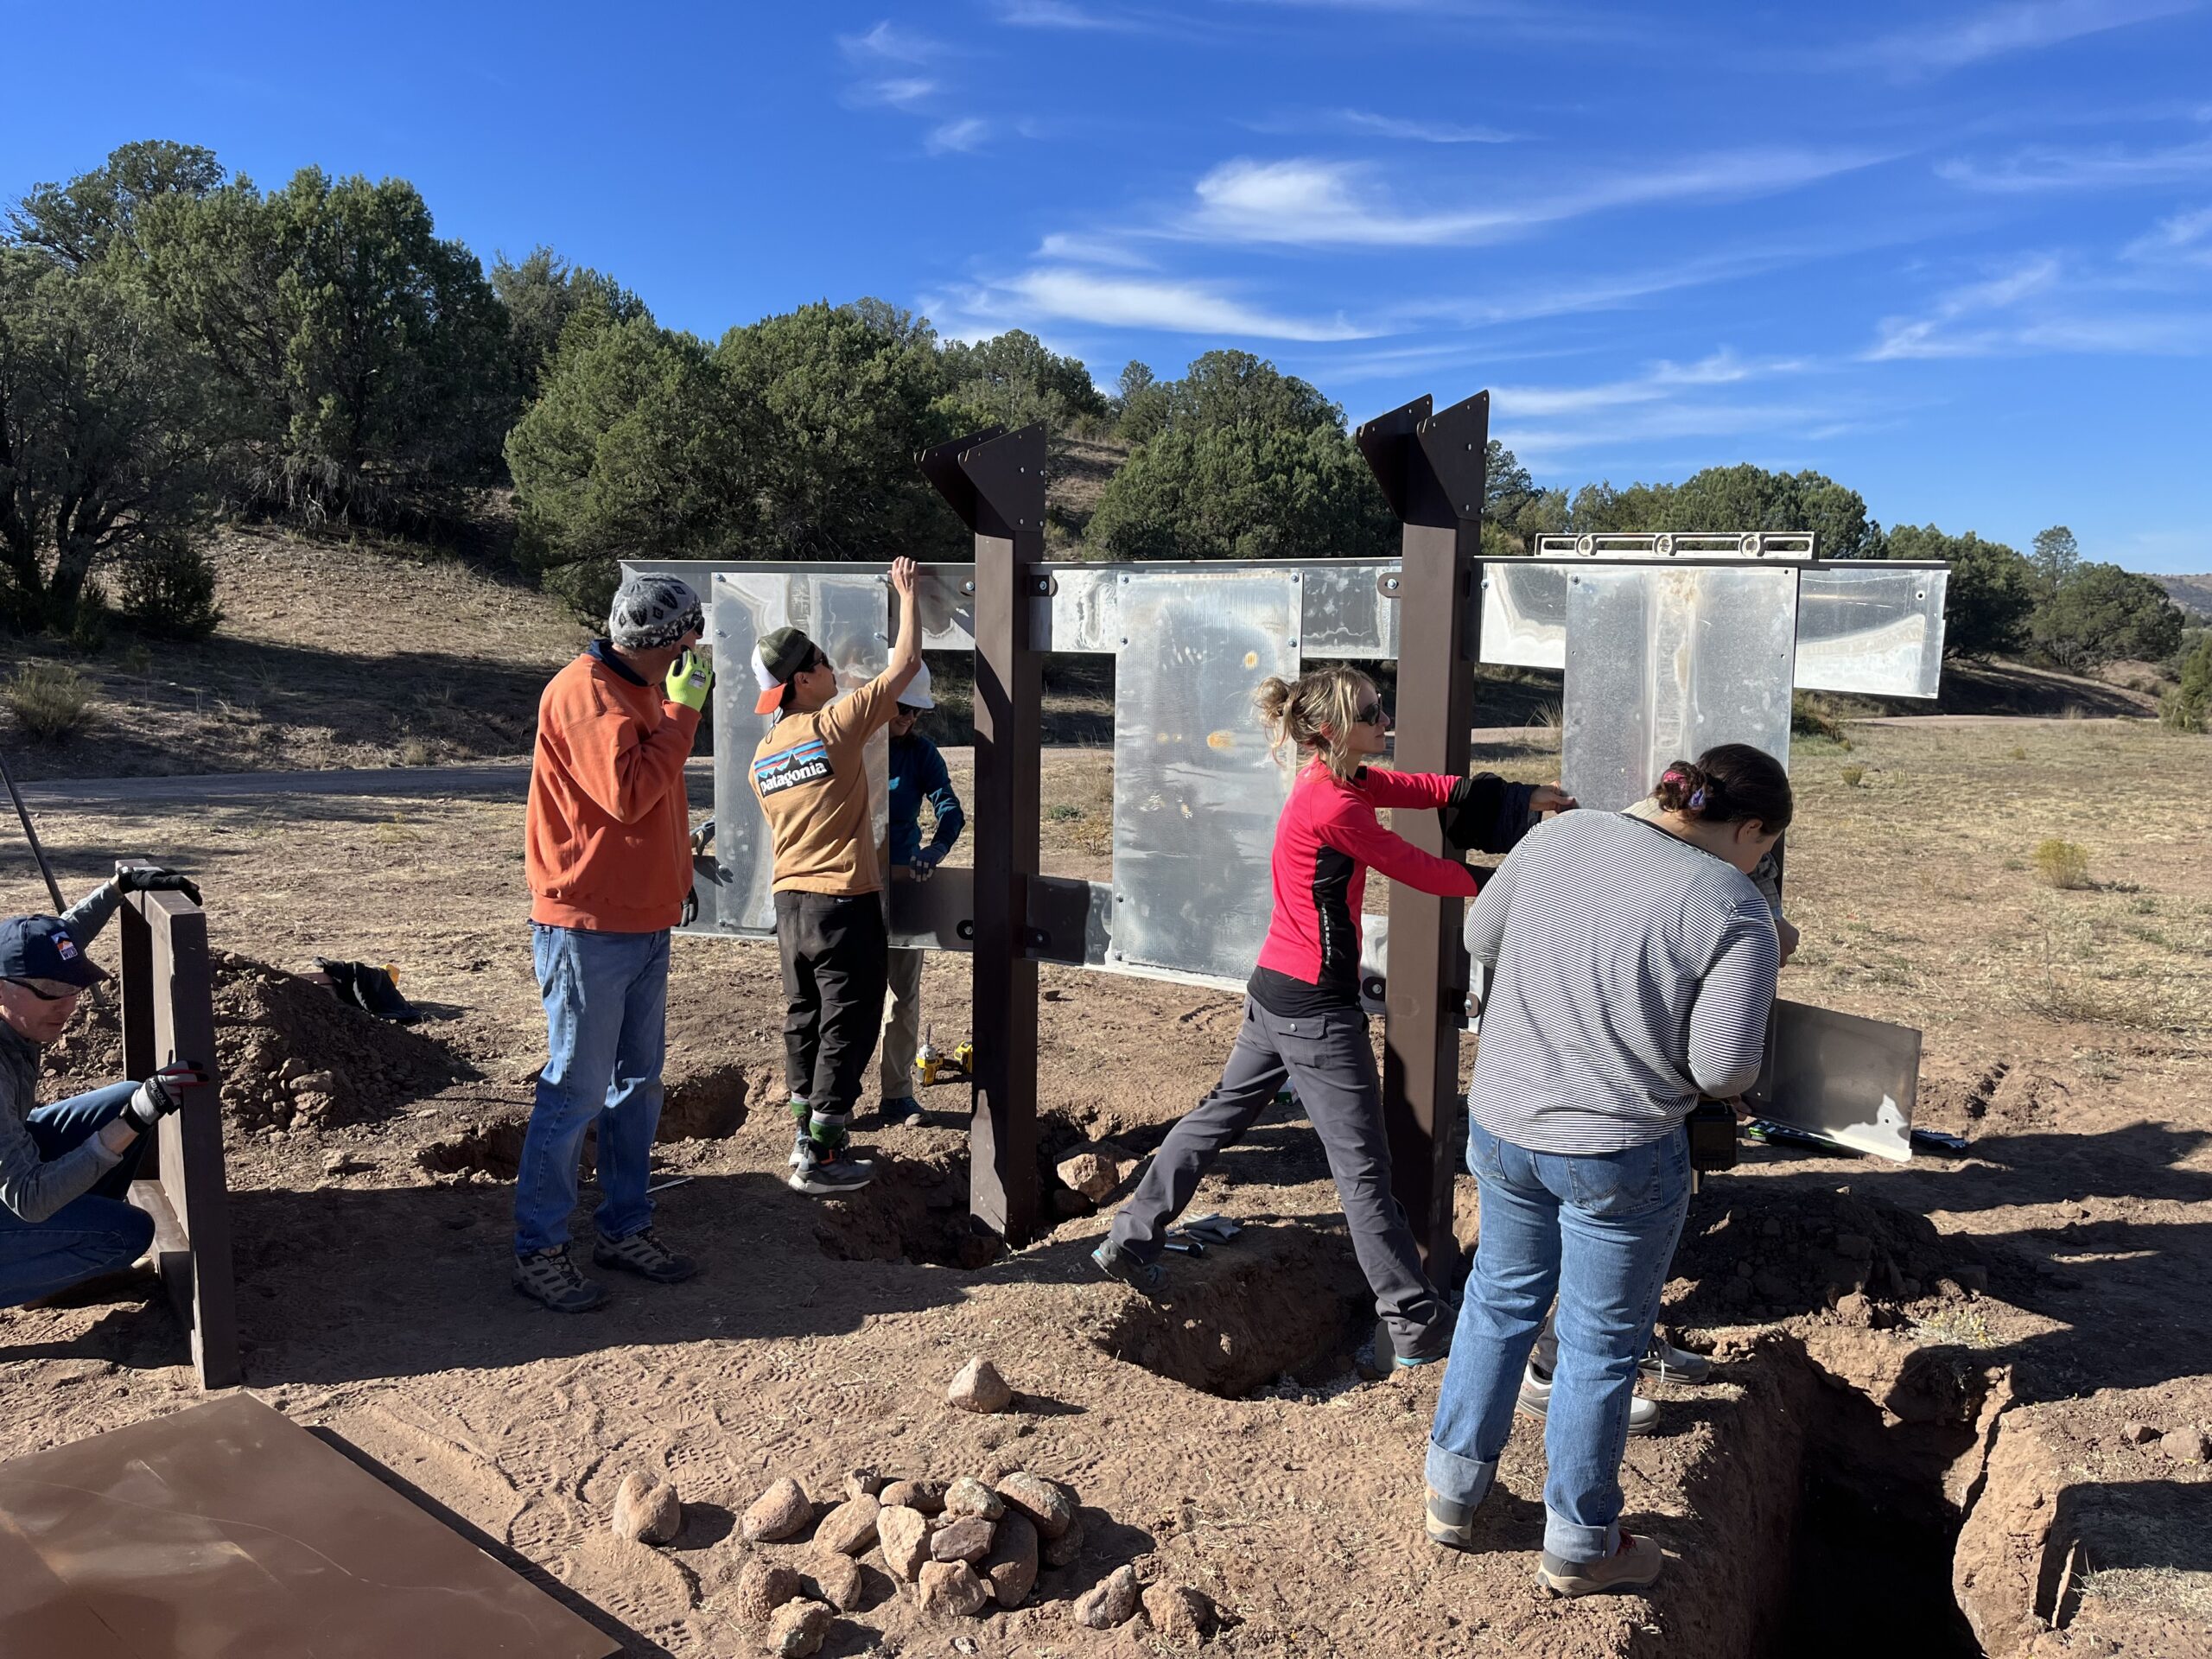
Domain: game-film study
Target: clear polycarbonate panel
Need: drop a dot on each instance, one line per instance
(1346, 614)
(1524, 614)
(1196, 793)
(1665, 661)
(1874, 629)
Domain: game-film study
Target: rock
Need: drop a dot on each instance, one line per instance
(796, 1628)
(647, 1510)
(1179, 1614)
(979, 1388)
(343, 1163)
(2138, 1434)
(312, 1083)
(762, 1587)
(968, 1496)
(836, 1579)
(925, 1495)
(905, 1535)
(951, 1588)
(2185, 1444)
(863, 1483)
(1063, 1550)
(964, 1538)
(1093, 1173)
(1974, 1278)
(1772, 1286)
(1012, 1565)
(1049, 1506)
(1855, 1307)
(1770, 1228)
(1857, 1246)
(1112, 1602)
(782, 1511)
(850, 1527)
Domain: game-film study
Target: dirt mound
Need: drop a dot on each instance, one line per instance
(1776, 1254)
(290, 1054)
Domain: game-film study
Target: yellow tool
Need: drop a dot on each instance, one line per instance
(928, 1062)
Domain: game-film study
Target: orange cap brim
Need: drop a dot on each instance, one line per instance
(768, 701)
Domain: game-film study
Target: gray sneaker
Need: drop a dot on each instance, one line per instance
(802, 1147)
(645, 1256)
(549, 1277)
(1536, 1400)
(1634, 1566)
(1664, 1362)
(1451, 1524)
(825, 1174)
(1116, 1263)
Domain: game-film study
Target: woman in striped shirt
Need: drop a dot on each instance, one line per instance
(1633, 965)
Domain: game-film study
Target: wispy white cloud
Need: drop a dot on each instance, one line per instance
(1662, 380)
(1935, 335)
(1092, 251)
(957, 138)
(908, 92)
(1937, 46)
(1065, 13)
(1426, 132)
(2104, 167)
(889, 43)
(2184, 239)
(1065, 294)
(1312, 203)
(2042, 303)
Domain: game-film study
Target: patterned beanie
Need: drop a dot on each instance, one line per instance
(651, 612)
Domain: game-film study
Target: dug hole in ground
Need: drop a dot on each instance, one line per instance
(1959, 1403)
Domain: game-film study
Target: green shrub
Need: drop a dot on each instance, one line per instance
(169, 591)
(1809, 716)
(2188, 707)
(1062, 812)
(49, 699)
(1853, 775)
(2062, 864)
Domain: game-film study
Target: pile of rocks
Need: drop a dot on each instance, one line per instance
(963, 1546)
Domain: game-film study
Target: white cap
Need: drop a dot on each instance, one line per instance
(917, 695)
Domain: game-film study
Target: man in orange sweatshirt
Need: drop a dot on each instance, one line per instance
(607, 847)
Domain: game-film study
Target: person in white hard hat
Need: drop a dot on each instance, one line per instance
(917, 773)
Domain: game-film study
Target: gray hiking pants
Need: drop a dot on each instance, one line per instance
(1330, 1063)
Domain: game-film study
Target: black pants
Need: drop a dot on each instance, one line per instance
(833, 958)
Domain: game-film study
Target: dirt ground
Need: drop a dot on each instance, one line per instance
(1986, 1336)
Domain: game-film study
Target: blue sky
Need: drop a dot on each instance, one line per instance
(1956, 255)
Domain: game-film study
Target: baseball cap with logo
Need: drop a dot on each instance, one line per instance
(40, 947)
(781, 655)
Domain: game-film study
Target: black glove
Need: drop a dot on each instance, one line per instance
(145, 878)
(163, 1092)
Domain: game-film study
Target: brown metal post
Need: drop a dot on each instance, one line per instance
(1431, 468)
(995, 481)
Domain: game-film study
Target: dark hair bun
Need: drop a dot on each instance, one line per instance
(1728, 784)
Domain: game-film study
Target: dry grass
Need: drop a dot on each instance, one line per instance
(51, 701)
(2062, 864)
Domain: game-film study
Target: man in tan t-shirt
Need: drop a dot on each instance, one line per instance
(811, 776)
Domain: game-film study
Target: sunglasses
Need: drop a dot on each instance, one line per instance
(58, 993)
(1373, 714)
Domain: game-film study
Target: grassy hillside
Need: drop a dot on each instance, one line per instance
(2192, 593)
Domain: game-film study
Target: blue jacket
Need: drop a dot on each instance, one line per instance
(918, 770)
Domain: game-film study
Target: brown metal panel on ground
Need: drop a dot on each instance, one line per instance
(170, 1014)
(230, 1530)
(996, 483)
(1431, 468)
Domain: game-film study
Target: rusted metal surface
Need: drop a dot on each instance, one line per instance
(169, 1013)
(996, 482)
(230, 1530)
(1430, 466)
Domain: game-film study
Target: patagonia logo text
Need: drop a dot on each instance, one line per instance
(808, 763)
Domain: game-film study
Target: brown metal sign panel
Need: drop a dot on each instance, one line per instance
(230, 1530)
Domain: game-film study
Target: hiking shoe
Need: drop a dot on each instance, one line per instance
(549, 1277)
(905, 1109)
(1450, 1524)
(1116, 1263)
(646, 1256)
(802, 1148)
(827, 1174)
(1634, 1566)
(1536, 1400)
(1664, 1362)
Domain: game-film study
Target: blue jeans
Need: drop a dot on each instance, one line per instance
(1598, 1231)
(606, 1027)
(96, 1233)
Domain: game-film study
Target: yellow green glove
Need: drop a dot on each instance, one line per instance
(689, 679)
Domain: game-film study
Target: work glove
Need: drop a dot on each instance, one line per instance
(689, 678)
(144, 878)
(163, 1092)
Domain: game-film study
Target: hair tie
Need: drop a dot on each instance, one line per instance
(1672, 775)
(1697, 800)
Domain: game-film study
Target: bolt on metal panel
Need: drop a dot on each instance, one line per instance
(1661, 663)
(1772, 545)
(1874, 629)
(1196, 793)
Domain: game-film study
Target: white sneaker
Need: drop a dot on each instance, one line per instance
(1536, 1398)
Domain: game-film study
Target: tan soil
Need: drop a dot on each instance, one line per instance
(2064, 1037)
